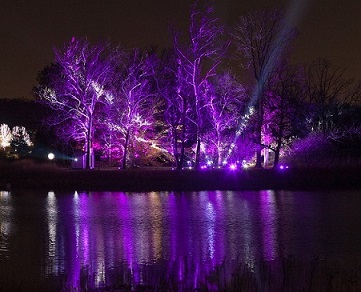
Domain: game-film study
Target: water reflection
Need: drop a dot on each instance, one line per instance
(6, 210)
(98, 239)
(269, 224)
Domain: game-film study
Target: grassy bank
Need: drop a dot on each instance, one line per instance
(25, 175)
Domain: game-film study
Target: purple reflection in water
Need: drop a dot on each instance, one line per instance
(269, 224)
(98, 239)
(100, 231)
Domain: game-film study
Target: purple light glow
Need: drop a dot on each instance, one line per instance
(91, 248)
(233, 166)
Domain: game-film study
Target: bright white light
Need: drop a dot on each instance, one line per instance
(233, 166)
(51, 156)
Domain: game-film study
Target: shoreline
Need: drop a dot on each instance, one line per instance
(159, 179)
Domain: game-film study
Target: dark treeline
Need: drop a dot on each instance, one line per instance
(185, 106)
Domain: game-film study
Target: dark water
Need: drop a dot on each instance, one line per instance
(89, 240)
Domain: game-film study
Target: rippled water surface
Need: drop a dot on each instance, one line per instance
(101, 239)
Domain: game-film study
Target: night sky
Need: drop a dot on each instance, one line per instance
(29, 29)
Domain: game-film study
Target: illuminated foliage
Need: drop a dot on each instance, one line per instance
(5, 136)
(225, 99)
(15, 142)
(133, 103)
(198, 60)
(132, 107)
(74, 88)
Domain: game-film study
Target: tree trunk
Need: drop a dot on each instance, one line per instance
(277, 157)
(124, 163)
(265, 157)
(175, 148)
(259, 129)
(258, 158)
(181, 160)
(259, 143)
(89, 147)
(198, 153)
(278, 147)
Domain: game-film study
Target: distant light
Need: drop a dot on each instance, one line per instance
(283, 166)
(75, 159)
(51, 156)
(51, 194)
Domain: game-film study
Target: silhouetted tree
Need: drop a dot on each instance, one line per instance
(327, 89)
(261, 38)
(283, 112)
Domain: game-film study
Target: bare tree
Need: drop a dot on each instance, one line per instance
(173, 86)
(261, 38)
(134, 102)
(327, 89)
(225, 101)
(283, 108)
(74, 88)
(199, 59)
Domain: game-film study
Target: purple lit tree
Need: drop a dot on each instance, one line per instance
(261, 38)
(225, 101)
(133, 103)
(198, 60)
(173, 86)
(74, 88)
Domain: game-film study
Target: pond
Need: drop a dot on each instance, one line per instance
(177, 240)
